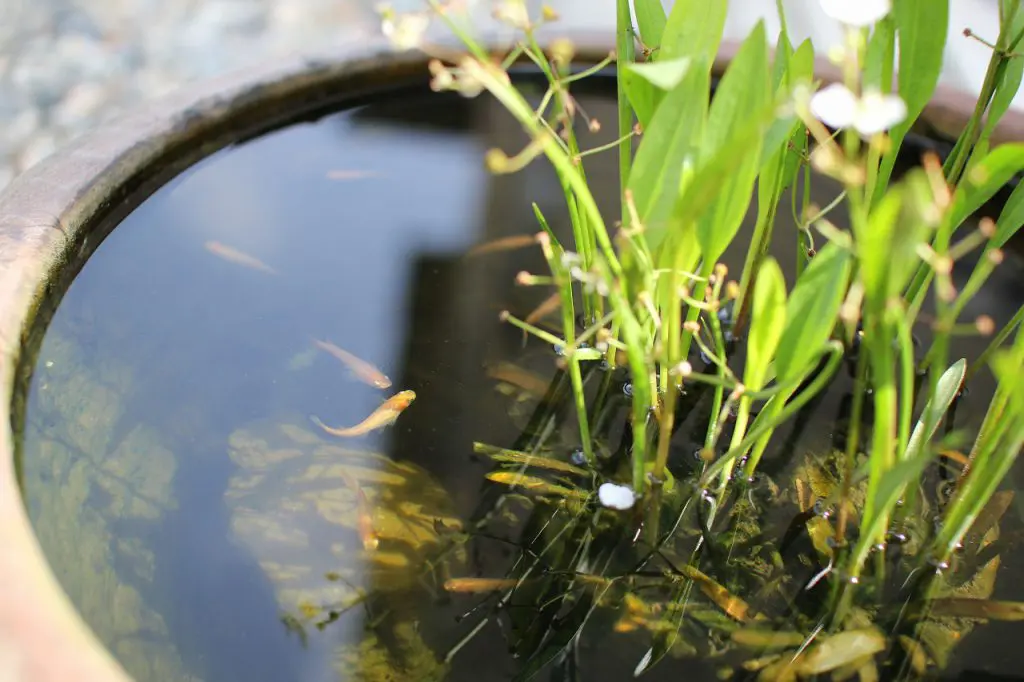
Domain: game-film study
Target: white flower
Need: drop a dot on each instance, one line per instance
(615, 496)
(405, 31)
(857, 13)
(513, 13)
(837, 107)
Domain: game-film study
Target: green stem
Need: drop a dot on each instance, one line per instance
(835, 351)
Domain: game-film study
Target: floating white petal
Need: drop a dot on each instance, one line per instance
(877, 112)
(615, 496)
(835, 106)
(857, 13)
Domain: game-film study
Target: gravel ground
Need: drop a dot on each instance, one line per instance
(67, 64)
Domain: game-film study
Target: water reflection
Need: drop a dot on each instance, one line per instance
(166, 365)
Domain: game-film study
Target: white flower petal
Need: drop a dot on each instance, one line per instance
(405, 31)
(834, 105)
(877, 112)
(857, 13)
(615, 496)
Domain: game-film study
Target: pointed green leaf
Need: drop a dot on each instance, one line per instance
(664, 73)
(673, 135)
(881, 52)
(646, 83)
(743, 89)
(694, 28)
(946, 390)
(812, 311)
(887, 244)
(1011, 217)
(921, 27)
(650, 22)
(703, 190)
(982, 181)
(766, 324)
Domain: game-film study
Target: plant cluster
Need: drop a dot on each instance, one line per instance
(652, 291)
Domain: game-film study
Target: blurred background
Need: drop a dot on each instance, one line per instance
(67, 64)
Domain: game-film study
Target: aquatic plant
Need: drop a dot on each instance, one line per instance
(651, 290)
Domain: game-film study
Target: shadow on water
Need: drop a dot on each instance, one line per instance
(162, 353)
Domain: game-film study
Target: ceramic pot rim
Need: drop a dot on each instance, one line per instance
(52, 217)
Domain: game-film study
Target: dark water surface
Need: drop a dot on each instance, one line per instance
(181, 519)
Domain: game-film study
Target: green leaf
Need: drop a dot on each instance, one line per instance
(887, 246)
(839, 650)
(1006, 90)
(890, 486)
(766, 324)
(665, 73)
(1011, 217)
(878, 62)
(787, 130)
(921, 26)
(650, 21)
(708, 178)
(743, 89)
(646, 83)
(945, 391)
(812, 311)
(921, 32)
(982, 181)
(673, 135)
(780, 65)
(694, 28)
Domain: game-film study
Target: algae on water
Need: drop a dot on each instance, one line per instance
(302, 505)
(85, 477)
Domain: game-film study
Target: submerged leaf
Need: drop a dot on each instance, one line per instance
(526, 459)
(753, 638)
(533, 484)
(978, 609)
(732, 605)
(842, 649)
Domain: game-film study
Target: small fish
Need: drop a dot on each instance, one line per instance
(546, 307)
(351, 174)
(363, 370)
(385, 415)
(364, 520)
(518, 241)
(519, 377)
(234, 256)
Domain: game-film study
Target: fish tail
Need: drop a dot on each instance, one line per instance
(333, 431)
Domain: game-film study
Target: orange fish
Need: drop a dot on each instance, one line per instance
(363, 370)
(234, 256)
(364, 520)
(385, 415)
(518, 241)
